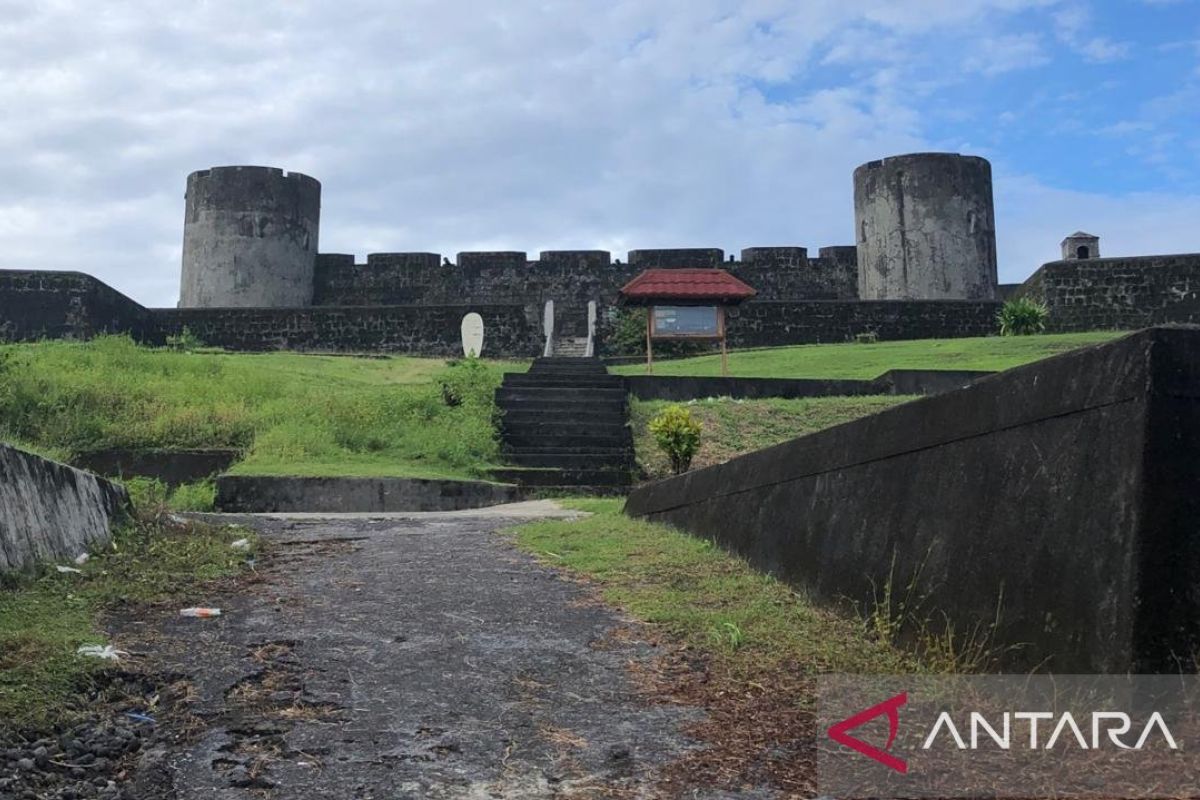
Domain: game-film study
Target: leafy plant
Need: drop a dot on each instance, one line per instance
(677, 433)
(1022, 317)
(185, 341)
(729, 634)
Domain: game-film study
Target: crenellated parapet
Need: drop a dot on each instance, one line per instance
(570, 277)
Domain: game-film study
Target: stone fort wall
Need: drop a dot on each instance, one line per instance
(70, 305)
(570, 277)
(1122, 293)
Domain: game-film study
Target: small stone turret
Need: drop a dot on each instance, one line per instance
(249, 238)
(1079, 246)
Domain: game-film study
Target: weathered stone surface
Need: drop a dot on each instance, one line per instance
(1056, 499)
(49, 511)
(765, 324)
(926, 228)
(65, 305)
(423, 330)
(269, 493)
(249, 238)
(1118, 292)
(676, 257)
(172, 467)
(900, 381)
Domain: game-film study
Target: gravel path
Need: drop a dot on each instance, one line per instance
(406, 656)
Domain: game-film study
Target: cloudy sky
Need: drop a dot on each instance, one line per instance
(446, 126)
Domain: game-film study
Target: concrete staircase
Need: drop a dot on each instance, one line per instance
(570, 347)
(565, 427)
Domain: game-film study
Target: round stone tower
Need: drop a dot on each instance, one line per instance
(249, 238)
(926, 228)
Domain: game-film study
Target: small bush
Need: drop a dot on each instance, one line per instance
(467, 380)
(677, 433)
(1022, 317)
(153, 500)
(185, 341)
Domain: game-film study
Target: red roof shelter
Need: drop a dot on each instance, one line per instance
(686, 285)
(685, 304)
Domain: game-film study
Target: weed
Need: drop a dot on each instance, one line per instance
(1022, 316)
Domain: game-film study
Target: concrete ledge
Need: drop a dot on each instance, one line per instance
(272, 494)
(172, 467)
(49, 511)
(1059, 496)
(897, 381)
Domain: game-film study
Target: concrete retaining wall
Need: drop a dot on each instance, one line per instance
(172, 467)
(1061, 495)
(897, 381)
(262, 494)
(49, 511)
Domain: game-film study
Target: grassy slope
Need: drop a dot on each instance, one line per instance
(734, 427)
(749, 622)
(865, 361)
(45, 616)
(291, 413)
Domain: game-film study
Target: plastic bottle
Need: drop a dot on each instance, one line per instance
(200, 612)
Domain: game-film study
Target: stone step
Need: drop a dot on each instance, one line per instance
(517, 439)
(553, 360)
(563, 477)
(565, 381)
(576, 491)
(619, 459)
(612, 430)
(519, 414)
(583, 369)
(574, 409)
(507, 394)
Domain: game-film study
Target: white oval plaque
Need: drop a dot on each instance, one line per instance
(472, 334)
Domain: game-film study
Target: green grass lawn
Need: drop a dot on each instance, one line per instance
(289, 413)
(865, 361)
(734, 427)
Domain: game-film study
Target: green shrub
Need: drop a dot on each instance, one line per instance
(1022, 317)
(677, 433)
(185, 341)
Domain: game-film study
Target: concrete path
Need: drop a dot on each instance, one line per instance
(405, 655)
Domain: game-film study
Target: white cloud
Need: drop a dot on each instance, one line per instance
(998, 54)
(1072, 26)
(1032, 219)
(447, 126)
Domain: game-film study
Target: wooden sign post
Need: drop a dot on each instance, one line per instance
(685, 303)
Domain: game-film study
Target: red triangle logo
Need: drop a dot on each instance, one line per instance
(840, 732)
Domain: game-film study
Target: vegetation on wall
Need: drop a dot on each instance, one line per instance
(1022, 316)
(289, 413)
